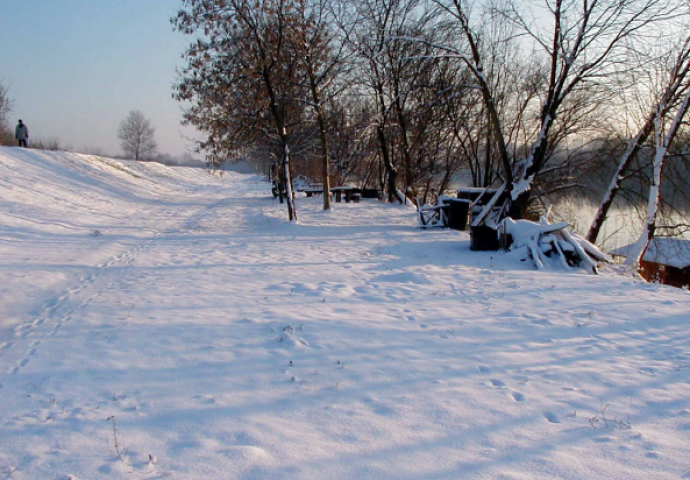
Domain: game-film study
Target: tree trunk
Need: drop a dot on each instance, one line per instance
(488, 170)
(289, 195)
(661, 147)
(487, 96)
(391, 171)
(521, 190)
(407, 158)
(323, 135)
(282, 135)
(615, 186)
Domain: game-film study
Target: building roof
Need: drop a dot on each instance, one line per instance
(673, 252)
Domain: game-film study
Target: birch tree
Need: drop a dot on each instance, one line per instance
(662, 142)
(669, 96)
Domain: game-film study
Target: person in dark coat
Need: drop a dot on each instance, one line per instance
(21, 133)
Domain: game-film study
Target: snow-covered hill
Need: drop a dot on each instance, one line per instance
(165, 323)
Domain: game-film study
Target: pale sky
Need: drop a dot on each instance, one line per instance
(75, 68)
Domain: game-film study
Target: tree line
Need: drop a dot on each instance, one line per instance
(537, 97)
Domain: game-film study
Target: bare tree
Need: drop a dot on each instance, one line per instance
(666, 97)
(318, 48)
(390, 72)
(375, 20)
(241, 77)
(5, 109)
(584, 42)
(5, 104)
(662, 142)
(581, 43)
(136, 136)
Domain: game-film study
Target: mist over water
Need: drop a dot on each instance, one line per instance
(622, 226)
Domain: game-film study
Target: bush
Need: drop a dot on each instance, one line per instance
(48, 144)
(7, 137)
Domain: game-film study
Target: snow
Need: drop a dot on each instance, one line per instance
(674, 252)
(162, 322)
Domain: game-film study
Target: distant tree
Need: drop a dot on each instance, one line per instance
(5, 104)
(5, 109)
(136, 135)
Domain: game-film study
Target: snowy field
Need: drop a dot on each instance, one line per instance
(164, 323)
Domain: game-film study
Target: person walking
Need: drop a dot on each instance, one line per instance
(21, 133)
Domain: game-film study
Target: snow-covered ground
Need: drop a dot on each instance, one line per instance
(165, 323)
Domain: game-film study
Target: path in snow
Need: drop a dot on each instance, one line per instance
(226, 343)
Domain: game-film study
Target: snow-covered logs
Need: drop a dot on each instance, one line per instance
(550, 243)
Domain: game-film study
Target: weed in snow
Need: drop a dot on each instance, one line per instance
(597, 421)
(288, 337)
(120, 451)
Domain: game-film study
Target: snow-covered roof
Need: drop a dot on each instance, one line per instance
(673, 252)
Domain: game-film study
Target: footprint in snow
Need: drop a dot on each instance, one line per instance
(205, 399)
(379, 408)
(518, 397)
(551, 417)
(21, 330)
(5, 346)
(497, 383)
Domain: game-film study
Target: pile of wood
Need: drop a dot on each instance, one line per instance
(545, 243)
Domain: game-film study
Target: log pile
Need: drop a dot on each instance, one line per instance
(544, 243)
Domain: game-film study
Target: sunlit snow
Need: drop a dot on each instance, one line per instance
(164, 323)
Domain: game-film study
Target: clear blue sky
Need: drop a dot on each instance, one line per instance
(75, 68)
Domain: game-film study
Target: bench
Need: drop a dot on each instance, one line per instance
(345, 191)
(313, 191)
(431, 216)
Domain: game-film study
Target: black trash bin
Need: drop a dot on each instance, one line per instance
(458, 213)
(371, 193)
(483, 238)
